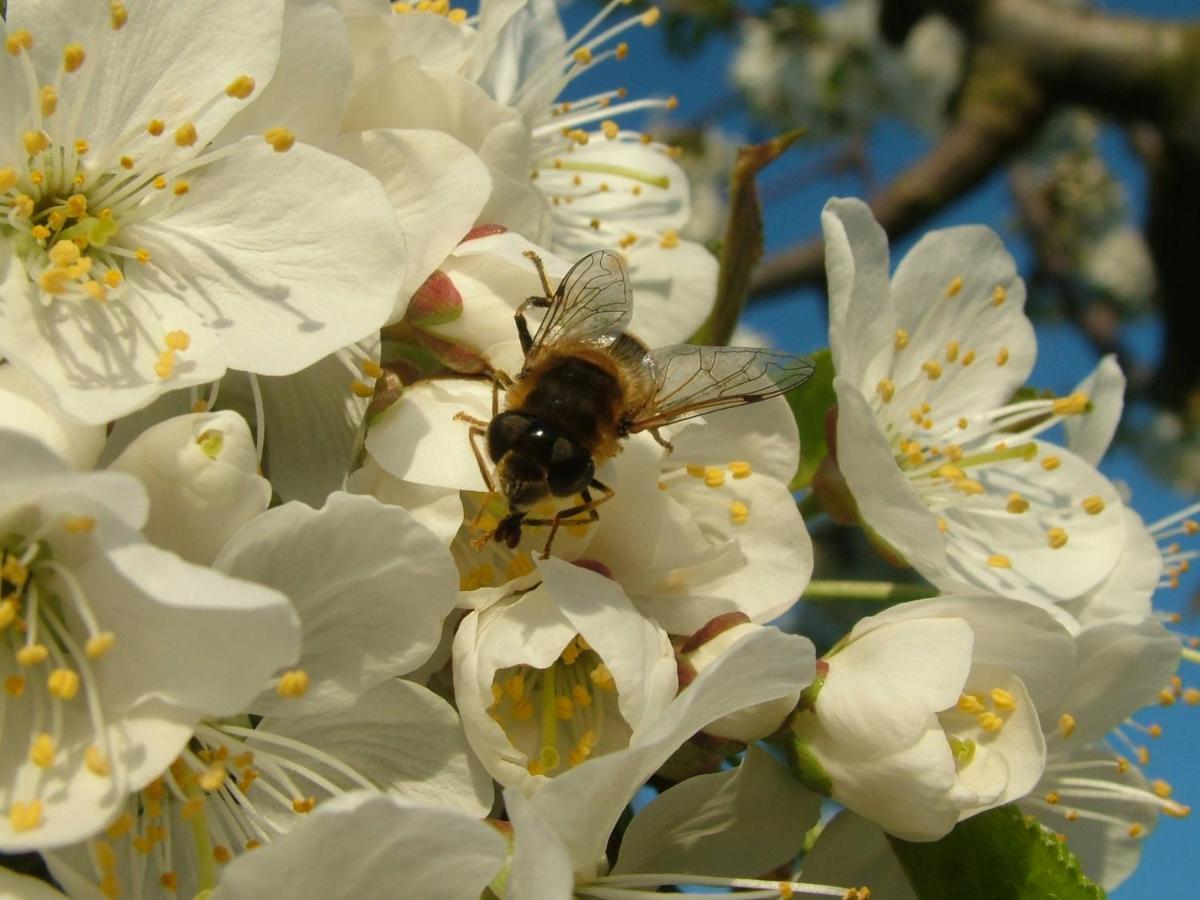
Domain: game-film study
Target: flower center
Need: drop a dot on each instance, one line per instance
(555, 713)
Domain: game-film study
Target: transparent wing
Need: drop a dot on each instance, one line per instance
(593, 299)
(695, 380)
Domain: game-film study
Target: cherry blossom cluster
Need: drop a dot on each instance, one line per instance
(258, 261)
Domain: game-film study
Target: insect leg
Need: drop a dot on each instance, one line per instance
(475, 433)
(541, 270)
(563, 516)
(654, 433)
(522, 325)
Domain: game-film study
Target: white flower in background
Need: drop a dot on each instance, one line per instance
(563, 173)
(26, 406)
(1091, 792)
(200, 471)
(942, 464)
(147, 240)
(833, 73)
(371, 588)
(109, 647)
(927, 713)
(688, 535)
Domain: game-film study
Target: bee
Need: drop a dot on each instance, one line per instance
(586, 385)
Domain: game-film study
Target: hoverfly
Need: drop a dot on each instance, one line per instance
(586, 384)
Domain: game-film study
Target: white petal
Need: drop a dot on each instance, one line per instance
(402, 737)
(286, 256)
(862, 321)
(26, 887)
(762, 434)
(886, 500)
(746, 820)
(419, 440)
(159, 65)
(854, 851)
(1128, 589)
(437, 186)
(311, 82)
(945, 290)
(1089, 435)
(202, 476)
(27, 407)
(438, 509)
(371, 587)
(673, 289)
(379, 37)
(882, 686)
(541, 865)
(416, 851)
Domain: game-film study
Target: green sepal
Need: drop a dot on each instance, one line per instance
(805, 767)
(997, 855)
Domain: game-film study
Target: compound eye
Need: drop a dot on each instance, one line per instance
(571, 468)
(504, 431)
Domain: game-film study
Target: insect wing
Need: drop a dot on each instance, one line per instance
(695, 380)
(592, 300)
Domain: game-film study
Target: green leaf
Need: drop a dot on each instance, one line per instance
(742, 246)
(810, 404)
(998, 855)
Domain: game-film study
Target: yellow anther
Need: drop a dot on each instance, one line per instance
(1050, 463)
(1001, 356)
(669, 239)
(79, 525)
(1191, 696)
(953, 452)
(21, 206)
(943, 524)
(563, 708)
(1057, 538)
(1052, 798)
(1161, 788)
(535, 767)
(739, 512)
(99, 644)
(886, 389)
(14, 685)
(8, 179)
(523, 709)
(519, 566)
(901, 339)
(1155, 731)
(1191, 527)
(952, 351)
(180, 187)
(293, 683)
(155, 127)
(32, 654)
(740, 469)
(185, 135)
(361, 389)
(1066, 724)
(622, 51)
(142, 255)
(304, 804)
(1177, 810)
(8, 613)
(240, 88)
(63, 254)
(19, 40)
(159, 183)
(1016, 504)
(1003, 699)
(1136, 830)
(1093, 505)
(999, 295)
(35, 142)
(1143, 756)
(165, 365)
(514, 686)
(968, 358)
(212, 778)
(281, 139)
(40, 233)
(602, 677)
(969, 486)
(63, 683)
(582, 55)
(989, 721)
(82, 147)
(651, 16)
(48, 100)
(969, 703)
(577, 135)
(954, 288)
(1071, 406)
(580, 695)
(96, 762)
(118, 14)
(222, 854)
(41, 753)
(999, 561)
(951, 472)
(25, 816)
(714, 477)
(371, 368)
(1071, 815)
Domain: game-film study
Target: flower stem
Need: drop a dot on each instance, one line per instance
(873, 591)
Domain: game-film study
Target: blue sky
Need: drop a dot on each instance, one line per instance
(797, 323)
